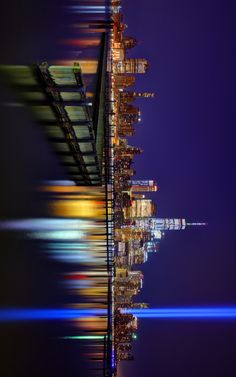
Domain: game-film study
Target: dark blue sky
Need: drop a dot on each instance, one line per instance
(188, 136)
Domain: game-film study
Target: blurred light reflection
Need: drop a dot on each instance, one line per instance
(74, 233)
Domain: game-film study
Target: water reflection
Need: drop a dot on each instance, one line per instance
(71, 230)
(75, 234)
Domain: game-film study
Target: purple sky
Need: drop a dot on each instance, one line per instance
(188, 136)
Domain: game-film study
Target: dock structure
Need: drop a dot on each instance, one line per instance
(75, 117)
(72, 118)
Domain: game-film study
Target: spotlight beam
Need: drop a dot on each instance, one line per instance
(184, 313)
(16, 315)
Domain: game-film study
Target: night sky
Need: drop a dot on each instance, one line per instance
(188, 136)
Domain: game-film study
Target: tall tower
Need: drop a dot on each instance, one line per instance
(159, 224)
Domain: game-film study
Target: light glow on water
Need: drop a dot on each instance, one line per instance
(89, 9)
(84, 337)
(15, 315)
(55, 235)
(45, 224)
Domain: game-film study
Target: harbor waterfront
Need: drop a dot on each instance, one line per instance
(100, 220)
(118, 181)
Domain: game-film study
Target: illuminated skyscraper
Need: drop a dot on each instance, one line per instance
(124, 81)
(152, 246)
(129, 42)
(138, 196)
(128, 151)
(143, 185)
(126, 129)
(155, 224)
(131, 66)
(141, 208)
(159, 224)
(129, 96)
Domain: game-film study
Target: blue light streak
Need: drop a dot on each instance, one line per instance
(183, 313)
(99, 7)
(90, 8)
(60, 183)
(46, 224)
(15, 315)
(58, 235)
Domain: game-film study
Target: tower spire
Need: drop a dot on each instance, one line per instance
(197, 224)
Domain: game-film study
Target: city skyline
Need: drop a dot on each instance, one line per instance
(173, 168)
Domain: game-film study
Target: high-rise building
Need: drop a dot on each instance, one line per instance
(128, 151)
(130, 109)
(129, 118)
(143, 94)
(130, 96)
(126, 129)
(123, 81)
(141, 208)
(152, 246)
(129, 42)
(131, 66)
(143, 185)
(155, 224)
(118, 52)
(137, 196)
(160, 224)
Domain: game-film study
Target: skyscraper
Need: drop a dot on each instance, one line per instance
(155, 224)
(143, 185)
(160, 224)
(131, 66)
(130, 96)
(141, 208)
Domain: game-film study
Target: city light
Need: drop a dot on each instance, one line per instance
(101, 224)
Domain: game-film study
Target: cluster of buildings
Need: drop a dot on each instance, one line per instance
(131, 203)
(71, 102)
(137, 229)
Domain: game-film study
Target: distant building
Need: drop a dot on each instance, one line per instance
(137, 196)
(143, 185)
(160, 224)
(129, 42)
(123, 81)
(130, 96)
(127, 151)
(131, 66)
(141, 208)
